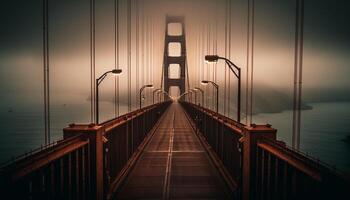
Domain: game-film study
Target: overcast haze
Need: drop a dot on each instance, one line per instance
(326, 44)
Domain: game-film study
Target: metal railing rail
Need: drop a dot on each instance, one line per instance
(268, 168)
(46, 174)
(223, 135)
(29, 153)
(123, 138)
(281, 171)
(82, 165)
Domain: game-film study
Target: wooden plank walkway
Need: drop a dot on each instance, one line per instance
(174, 165)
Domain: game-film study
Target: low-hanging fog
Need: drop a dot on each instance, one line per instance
(326, 48)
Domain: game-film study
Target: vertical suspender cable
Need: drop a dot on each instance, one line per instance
(252, 64)
(46, 70)
(143, 44)
(48, 74)
(294, 130)
(208, 66)
(187, 73)
(214, 53)
(152, 52)
(301, 48)
(247, 65)
(298, 65)
(216, 45)
(203, 69)
(137, 48)
(118, 50)
(116, 57)
(92, 58)
(199, 58)
(229, 56)
(162, 74)
(146, 53)
(148, 56)
(195, 60)
(129, 52)
(225, 84)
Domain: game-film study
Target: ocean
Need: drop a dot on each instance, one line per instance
(322, 130)
(322, 134)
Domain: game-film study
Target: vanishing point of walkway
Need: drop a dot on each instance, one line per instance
(174, 165)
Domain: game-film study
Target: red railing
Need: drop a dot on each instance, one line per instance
(87, 164)
(262, 167)
(57, 172)
(283, 173)
(123, 138)
(221, 135)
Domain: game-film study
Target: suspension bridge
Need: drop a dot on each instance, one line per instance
(174, 148)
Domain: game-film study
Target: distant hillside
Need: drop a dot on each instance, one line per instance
(326, 95)
(271, 100)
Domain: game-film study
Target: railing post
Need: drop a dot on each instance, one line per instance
(251, 135)
(95, 135)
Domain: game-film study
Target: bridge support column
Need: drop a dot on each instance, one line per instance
(251, 135)
(95, 135)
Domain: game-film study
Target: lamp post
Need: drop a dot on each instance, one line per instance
(183, 95)
(98, 82)
(162, 92)
(195, 95)
(158, 95)
(215, 58)
(217, 92)
(198, 89)
(190, 95)
(154, 92)
(186, 94)
(141, 89)
(165, 93)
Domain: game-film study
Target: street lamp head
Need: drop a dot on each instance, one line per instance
(204, 82)
(117, 72)
(211, 58)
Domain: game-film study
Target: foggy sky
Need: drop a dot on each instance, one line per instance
(326, 43)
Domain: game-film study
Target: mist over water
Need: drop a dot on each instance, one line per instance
(323, 131)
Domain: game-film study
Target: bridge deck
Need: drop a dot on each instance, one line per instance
(174, 165)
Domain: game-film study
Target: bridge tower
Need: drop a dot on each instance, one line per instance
(173, 42)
